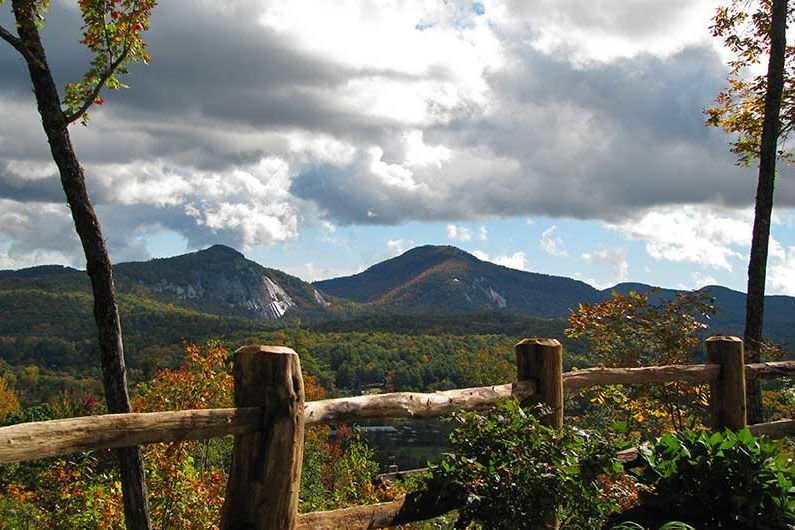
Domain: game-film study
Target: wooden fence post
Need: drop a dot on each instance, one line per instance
(541, 360)
(727, 401)
(264, 482)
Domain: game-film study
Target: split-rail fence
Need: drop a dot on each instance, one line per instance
(270, 415)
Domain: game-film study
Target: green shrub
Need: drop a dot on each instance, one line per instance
(509, 470)
(725, 480)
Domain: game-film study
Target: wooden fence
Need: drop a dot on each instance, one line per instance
(270, 415)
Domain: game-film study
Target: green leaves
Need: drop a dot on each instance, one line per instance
(112, 31)
(724, 479)
(510, 470)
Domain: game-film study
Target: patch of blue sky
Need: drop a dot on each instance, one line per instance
(165, 243)
(478, 8)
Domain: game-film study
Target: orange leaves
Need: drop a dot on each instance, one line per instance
(112, 31)
(631, 330)
(202, 381)
(635, 330)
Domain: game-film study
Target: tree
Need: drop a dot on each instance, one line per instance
(112, 32)
(753, 108)
(634, 330)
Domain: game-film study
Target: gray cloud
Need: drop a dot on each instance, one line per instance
(182, 149)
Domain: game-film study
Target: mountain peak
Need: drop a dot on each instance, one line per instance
(221, 250)
(436, 253)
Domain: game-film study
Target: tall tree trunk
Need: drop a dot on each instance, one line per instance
(757, 266)
(98, 265)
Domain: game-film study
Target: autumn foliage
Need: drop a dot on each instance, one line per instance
(187, 480)
(646, 329)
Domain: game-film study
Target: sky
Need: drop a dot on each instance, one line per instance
(319, 137)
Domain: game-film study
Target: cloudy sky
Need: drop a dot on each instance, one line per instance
(319, 137)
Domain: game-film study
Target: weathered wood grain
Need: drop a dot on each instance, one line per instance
(727, 404)
(417, 506)
(774, 429)
(265, 479)
(412, 404)
(771, 369)
(684, 373)
(30, 441)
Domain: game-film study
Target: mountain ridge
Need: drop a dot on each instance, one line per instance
(425, 280)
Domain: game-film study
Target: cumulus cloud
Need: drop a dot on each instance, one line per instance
(612, 261)
(396, 247)
(302, 110)
(552, 244)
(709, 236)
(458, 233)
(606, 30)
(517, 260)
(781, 273)
(698, 280)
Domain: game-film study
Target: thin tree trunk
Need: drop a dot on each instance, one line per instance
(98, 265)
(755, 302)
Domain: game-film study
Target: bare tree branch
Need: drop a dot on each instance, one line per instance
(97, 89)
(16, 42)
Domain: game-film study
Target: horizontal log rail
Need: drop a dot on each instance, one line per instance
(539, 375)
(43, 439)
(688, 373)
(29, 441)
(771, 369)
(413, 404)
(409, 508)
(774, 429)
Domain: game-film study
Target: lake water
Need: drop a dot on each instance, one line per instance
(407, 443)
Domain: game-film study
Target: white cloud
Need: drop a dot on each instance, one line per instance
(311, 273)
(395, 247)
(484, 233)
(31, 169)
(551, 244)
(517, 260)
(613, 261)
(706, 235)
(609, 29)
(443, 68)
(418, 153)
(781, 274)
(394, 111)
(458, 233)
(697, 281)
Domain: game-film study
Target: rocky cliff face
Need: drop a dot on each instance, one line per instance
(221, 280)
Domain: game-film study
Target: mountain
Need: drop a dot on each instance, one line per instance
(217, 280)
(221, 280)
(438, 280)
(443, 279)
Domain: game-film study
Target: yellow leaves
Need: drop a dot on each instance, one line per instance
(739, 108)
(8, 400)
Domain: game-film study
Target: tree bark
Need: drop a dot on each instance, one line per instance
(755, 301)
(98, 265)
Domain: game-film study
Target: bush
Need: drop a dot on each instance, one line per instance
(510, 470)
(723, 480)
